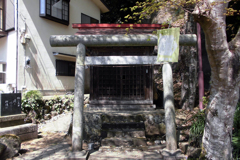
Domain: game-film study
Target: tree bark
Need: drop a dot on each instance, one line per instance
(224, 91)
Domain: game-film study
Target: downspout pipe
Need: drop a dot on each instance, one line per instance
(200, 72)
(16, 30)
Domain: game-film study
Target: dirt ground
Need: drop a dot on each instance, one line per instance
(49, 136)
(44, 140)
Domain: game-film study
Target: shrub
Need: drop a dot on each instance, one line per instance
(197, 128)
(32, 104)
(59, 104)
(236, 133)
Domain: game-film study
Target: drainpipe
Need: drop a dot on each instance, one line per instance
(200, 74)
(16, 29)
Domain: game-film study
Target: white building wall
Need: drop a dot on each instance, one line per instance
(3, 49)
(11, 58)
(40, 75)
(8, 56)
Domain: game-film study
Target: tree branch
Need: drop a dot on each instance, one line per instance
(234, 44)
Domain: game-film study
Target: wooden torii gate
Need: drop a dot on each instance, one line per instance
(118, 40)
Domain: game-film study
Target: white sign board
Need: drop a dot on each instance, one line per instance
(168, 45)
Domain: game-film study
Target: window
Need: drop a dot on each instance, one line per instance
(6, 17)
(2, 73)
(1, 15)
(56, 10)
(87, 19)
(65, 68)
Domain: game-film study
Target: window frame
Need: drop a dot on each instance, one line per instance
(68, 66)
(43, 13)
(91, 18)
(2, 15)
(3, 73)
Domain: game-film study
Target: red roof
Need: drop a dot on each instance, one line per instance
(117, 26)
(91, 29)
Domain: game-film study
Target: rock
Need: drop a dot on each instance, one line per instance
(162, 129)
(2, 148)
(12, 143)
(157, 142)
(193, 152)
(54, 113)
(47, 116)
(184, 146)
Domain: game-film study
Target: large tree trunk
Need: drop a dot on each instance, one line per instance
(224, 92)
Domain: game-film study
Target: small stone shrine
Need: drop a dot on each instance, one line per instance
(118, 87)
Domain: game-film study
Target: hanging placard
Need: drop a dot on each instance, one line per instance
(168, 45)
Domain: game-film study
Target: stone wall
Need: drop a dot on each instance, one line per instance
(153, 122)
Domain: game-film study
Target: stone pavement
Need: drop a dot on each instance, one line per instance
(62, 152)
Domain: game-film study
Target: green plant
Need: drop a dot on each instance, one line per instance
(197, 128)
(35, 94)
(32, 104)
(60, 103)
(236, 133)
(205, 101)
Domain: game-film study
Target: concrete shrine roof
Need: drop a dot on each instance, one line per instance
(112, 29)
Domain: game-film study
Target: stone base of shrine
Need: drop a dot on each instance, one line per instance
(118, 107)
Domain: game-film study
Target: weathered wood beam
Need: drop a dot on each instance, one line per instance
(121, 60)
(115, 40)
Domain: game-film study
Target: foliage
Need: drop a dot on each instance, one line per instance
(236, 133)
(197, 128)
(233, 19)
(144, 9)
(115, 15)
(32, 103)
(205, 101)
(35, 94)
(60, 103)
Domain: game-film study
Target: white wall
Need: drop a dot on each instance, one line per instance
(11, 58)
(8, 56)
(3, 49)
(41, 74)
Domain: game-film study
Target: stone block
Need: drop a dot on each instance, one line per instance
(81, 155)
(26, 131)
(193, 152)
(12, 143)
(124, 142)
(10, 104)
(126, 133)
(184, 146)
(12, 120)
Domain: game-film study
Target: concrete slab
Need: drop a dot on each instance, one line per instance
(12, 120)
(121, 155)
(81, 155)
(25, 131)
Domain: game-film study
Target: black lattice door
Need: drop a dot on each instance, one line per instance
(120, 82)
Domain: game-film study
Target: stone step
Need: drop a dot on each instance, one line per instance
(121, 117)
(12, 120)
(123, 141)
(25, 131)
(129, 125)
(119, 107)
(126, 133)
